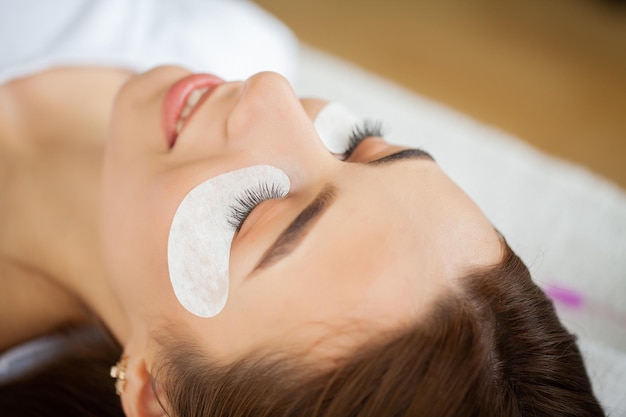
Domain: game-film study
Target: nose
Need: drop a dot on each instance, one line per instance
(270, 123)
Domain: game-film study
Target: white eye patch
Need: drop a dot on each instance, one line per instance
(335, 124)
(202, 231)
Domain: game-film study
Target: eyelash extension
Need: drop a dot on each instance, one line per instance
(248, 200)
(361, 131)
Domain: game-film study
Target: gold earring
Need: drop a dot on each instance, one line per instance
(118, 371)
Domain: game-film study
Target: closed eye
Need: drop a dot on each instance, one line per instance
(361, 131)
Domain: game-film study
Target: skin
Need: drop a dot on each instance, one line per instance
(395, 237)
(385, 272)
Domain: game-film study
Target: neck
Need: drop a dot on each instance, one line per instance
(52, 131)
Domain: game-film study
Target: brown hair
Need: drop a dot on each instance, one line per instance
(493, 348)
(75, 384)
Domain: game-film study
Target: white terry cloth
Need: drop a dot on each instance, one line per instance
(566, 223)
(232, 39)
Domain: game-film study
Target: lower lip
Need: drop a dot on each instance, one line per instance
(176, 98)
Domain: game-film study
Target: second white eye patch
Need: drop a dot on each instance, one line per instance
(203, 228)
(342, 132)
(335, 125)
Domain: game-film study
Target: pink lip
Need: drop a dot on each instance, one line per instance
(176, 98)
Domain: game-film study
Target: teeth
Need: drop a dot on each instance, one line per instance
(185, 111)
(195, 96)
(192, 100)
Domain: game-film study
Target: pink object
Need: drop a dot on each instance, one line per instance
(575, 300)
(570, 298)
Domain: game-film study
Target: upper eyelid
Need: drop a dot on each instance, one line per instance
(298, 227)
(362, 130)
(249, 199)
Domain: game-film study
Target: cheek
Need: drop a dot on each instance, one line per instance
(133, 228)
(135, 128)
(201, 235)
(136, 211)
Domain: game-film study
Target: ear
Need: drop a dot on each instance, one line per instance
(139, 398)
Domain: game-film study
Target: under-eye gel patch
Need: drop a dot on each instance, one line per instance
(334, 125)
(201, 235)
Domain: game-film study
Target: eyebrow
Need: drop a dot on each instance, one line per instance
(295, 232)
(410, 153)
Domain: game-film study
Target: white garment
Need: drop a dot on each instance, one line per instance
(232, 39)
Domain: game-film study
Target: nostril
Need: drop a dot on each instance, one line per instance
(334, 125)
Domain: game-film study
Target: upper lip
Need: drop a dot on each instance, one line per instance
(185, 96)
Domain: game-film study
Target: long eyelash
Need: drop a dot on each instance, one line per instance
(363, 130)
(248, 200)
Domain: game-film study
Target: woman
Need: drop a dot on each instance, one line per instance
(354, 281)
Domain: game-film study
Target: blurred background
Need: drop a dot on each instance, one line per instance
(552, 72)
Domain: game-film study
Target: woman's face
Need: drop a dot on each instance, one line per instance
(393, 234)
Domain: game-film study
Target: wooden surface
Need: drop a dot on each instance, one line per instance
(552, 72)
